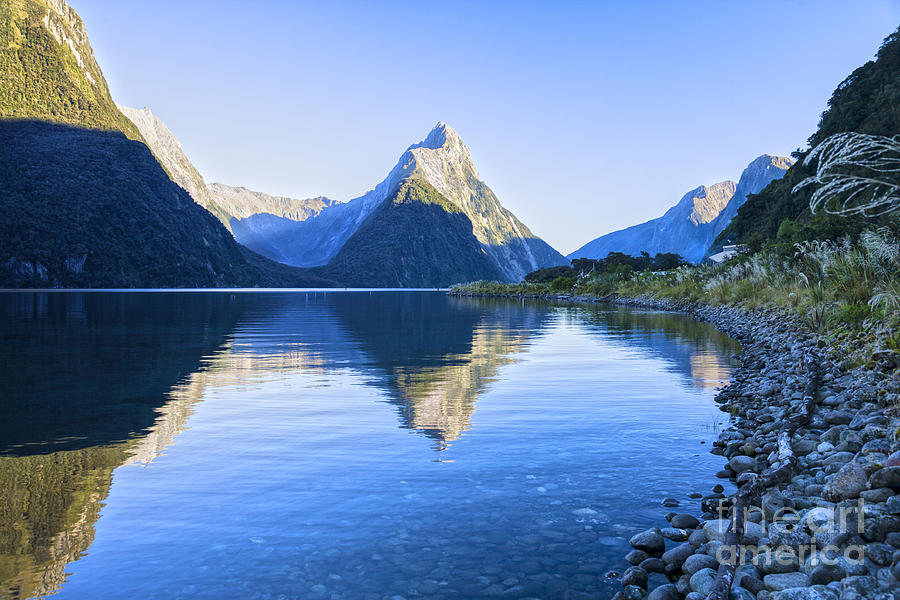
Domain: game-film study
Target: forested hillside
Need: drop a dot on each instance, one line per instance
(868, 101)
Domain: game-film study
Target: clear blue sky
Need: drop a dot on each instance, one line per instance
(583, 117)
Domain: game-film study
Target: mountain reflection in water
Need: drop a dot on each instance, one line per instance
(96, 381)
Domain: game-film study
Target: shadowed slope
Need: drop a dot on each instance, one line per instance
(89, 208)
(415, 239)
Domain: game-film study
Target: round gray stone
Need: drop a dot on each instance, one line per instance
(702, 581)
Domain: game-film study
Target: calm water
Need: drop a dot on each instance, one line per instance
(342, 445)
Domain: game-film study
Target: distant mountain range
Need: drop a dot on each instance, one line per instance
(691, 226)
(98, 195)
(431, 222)
(83, 202)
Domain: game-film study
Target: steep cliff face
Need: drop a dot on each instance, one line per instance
(690, 227)
(444, 162)
(758, 174)
(168, 152)
(49, 71)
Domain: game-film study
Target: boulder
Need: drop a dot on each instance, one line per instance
(685, 521)
(675, 534)
(776, 561)
(787, 533)
(650, 541)
(636, 557)
(801, 593)
(887, 477)
(742, 464)
(783, 581)
(667, 591)
(864, 585)
(824, 574)
(632, 592)
(677, 555)
(716, 529)
(653, 565)
(846, 484)
(702, 581)
(635, 576)
(739, 593)
(696, 562)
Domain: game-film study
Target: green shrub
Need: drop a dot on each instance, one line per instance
(562, 284)
(851, 314)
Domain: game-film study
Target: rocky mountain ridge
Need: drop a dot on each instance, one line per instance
(312, 232)
(691, 226)
(444, 161)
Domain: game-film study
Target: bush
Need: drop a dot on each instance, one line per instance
(851, 314)
(548, 274)
(562, 284)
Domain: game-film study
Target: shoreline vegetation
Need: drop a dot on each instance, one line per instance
(845, 291)
(828, 528)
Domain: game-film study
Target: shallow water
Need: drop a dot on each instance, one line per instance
(342, 445)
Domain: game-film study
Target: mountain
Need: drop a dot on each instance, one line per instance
(83, 201)
(240, 203)
(758, 174)
(443, 161)
(390, 246)
(48, 68)
(690, 227)
(316, 241)
(225, 202)
(683, 229)
(865, 102)
(417, 238)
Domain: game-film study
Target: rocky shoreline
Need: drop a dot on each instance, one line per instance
(829, 532)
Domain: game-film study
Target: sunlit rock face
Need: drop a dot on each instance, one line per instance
(758, 174)
(168, 152)
(690, 227)
(445, 162)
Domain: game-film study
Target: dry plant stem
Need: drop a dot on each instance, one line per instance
(754, 486)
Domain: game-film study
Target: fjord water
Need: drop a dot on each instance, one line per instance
(341, 445)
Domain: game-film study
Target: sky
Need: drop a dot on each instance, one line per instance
(583, 117)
